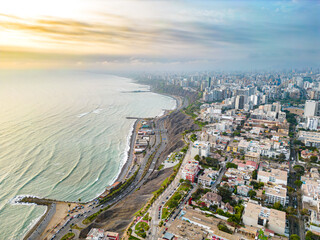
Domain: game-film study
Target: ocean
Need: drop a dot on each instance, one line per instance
(64, 135)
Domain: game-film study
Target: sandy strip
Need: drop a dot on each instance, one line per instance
(58, 218)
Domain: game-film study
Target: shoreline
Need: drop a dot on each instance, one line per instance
(123, 173)
(129, 159)
(125, 167)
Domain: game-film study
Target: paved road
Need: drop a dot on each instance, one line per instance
(295, 226)
(158, 148)
(42, 226)
(221, 174)
(154, 209)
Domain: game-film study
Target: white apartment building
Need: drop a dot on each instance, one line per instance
(310, 138)
(311, 108)
(311, 192)
(312, 123)
(275, 176)
(276, 194)
(205, 180)
(200, 148)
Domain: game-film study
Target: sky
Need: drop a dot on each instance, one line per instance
(159, 35)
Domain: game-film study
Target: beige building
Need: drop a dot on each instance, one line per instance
(205, 180)
(257, 216)
(310, 138)
(252, 156)
(311, 192)
(275, 176)
(276, 194)
(211, 198)
(185, 230)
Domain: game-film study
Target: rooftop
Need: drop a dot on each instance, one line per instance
(276, 173)
(275, 217)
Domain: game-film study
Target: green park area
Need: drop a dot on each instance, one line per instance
(175, 199)
(141, 229)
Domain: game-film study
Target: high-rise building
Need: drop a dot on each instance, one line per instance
(311, 108)
(299, 81)
(209, 82)
(239, 103)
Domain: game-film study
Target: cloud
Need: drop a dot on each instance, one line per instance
(201, 31)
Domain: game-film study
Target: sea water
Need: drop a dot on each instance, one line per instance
(64, 135)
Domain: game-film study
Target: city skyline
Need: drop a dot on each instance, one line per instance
(160, 35)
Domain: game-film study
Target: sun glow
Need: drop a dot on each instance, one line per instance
(44, 8)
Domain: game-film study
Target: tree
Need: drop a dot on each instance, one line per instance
(294, 237)
(193, 137)
(297, 142)
(214, 207)
(314, 159)
(236, 133)
(173, 203)
(298, 183)
(225, 193)
(282, 156)
(304, 212)
(231, 165)
(277, 205)
(197, 157)
(311, 236)
(177, 196)
(223, 227)
(255, 174)
(290, 189)
(235, 190)
(291, 211)
(257, 185)
(252, 194)
(187, 181)
(212, 162)
(299, 169)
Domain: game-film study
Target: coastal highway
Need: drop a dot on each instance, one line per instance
(154, 209)
(157, 149)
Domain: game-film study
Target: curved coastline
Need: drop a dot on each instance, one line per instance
(123, 169)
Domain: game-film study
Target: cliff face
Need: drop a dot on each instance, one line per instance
(176, 124)
(118, 218)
